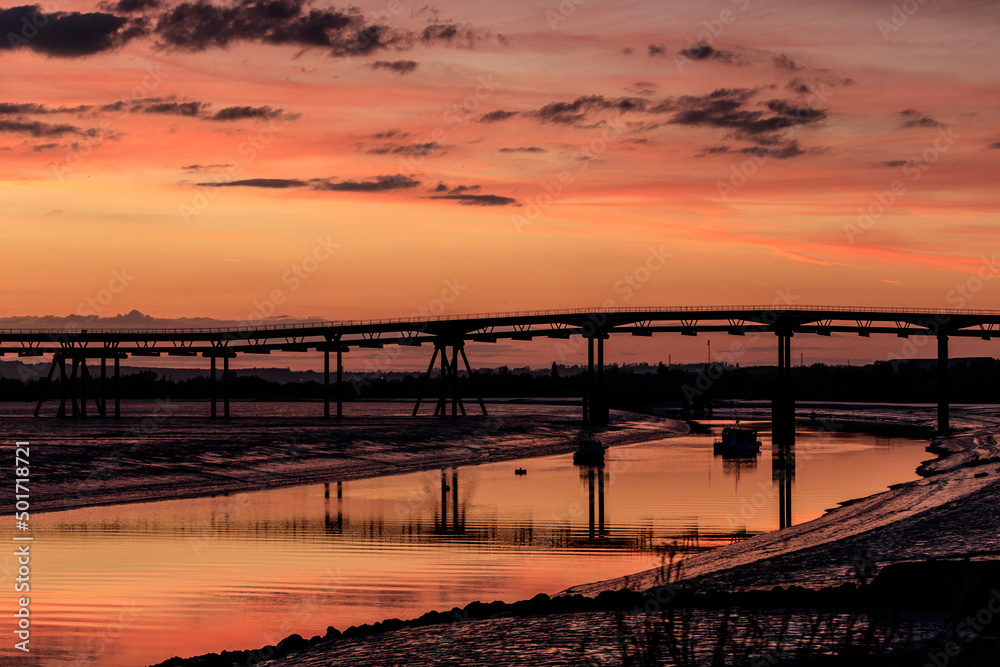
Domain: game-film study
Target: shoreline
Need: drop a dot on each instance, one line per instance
(921, 519)
(870, 533)
(320, 451)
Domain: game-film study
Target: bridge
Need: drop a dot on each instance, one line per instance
(71, 349)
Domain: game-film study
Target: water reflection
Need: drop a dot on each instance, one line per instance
(338, 525)
(782, 476)
(401, 545)
(449, 491)
(592, 472)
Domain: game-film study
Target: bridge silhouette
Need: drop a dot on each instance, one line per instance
(71, 349)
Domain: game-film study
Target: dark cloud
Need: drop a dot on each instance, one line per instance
(705, 51)
(995, 146)
(732, 109)
(37, 129)
(378, 184)
(642, 88)
(196, 25)
(480, 200)
(781, 61)
(779, 150)
(523, 149)
(394, 133)
(256, 113)
(418, 150)
(32, 109)
(457, 190)
(455, 34)
(727, 108)
(39, 148)
(398, 66)
(914, 118)
(130, 6)
(575, 112)
(893, 163)
(9, 108)
(172, 108)
(204, 167)
(494, 116)
(64, 34)
(798, 85)
(713, 150)
(657, 51)
(628, 51)
(199, 25)
(274, 183)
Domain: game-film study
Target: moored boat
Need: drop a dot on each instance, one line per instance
(590, 452)
(737, 440)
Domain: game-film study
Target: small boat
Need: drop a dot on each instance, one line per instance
(737, 440)
(589, 453)
(520, 471)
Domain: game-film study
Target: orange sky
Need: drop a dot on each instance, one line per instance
(746, 202)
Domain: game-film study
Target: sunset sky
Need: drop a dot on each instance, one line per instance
(303, 159)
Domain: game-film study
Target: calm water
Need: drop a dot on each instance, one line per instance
(136, 584)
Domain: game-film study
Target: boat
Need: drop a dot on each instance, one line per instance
(589, 453)
(520, 471)
(737, 440)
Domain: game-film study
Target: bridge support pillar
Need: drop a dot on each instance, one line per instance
(783, 400)
(76, 386)
(595, 400)
(783, 430)
(449, 390)
(331, 346)
(225, 386)
(944, 382)
(213, 381)
(326, 391)
(63, 387)
(340, 383)
(117, 390)
(212, 386)
(103, 402)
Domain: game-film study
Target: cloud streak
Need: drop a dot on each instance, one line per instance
(377, 184)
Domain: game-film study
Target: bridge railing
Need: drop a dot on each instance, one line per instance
(328, 324)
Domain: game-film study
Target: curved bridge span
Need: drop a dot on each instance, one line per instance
(448, 335)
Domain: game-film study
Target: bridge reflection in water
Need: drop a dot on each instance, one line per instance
(70, 350)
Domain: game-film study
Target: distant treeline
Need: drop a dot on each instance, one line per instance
(972, 381)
